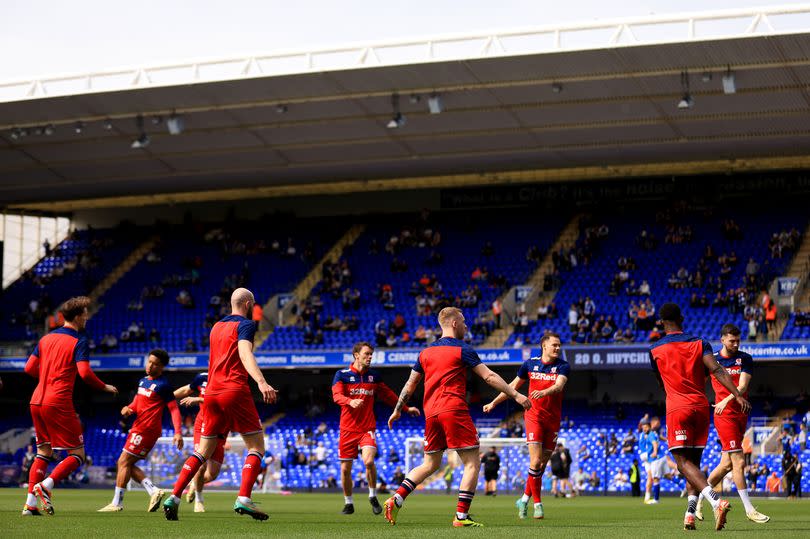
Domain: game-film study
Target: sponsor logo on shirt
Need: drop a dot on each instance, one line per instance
(145, 392)
(543, 376)
(361, 391)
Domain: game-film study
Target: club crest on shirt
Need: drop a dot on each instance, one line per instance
(536, 368)
(370, 378)
(351, 378)
(553, 370)
(738, 361)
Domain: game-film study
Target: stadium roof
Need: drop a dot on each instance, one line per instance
(595, 100)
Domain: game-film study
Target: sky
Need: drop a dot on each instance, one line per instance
(52, 37)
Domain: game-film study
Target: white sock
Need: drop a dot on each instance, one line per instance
(118, 497)
(399, 500)
(31, 501)
(199, 496)
(692, 501)
(372, 492)
(348, 499)
(243, 499)
(711, 496)
(47, 483)
(537, 504)
(148, 486)
(461, 516)
(746, 500)
(524, 499)
(647, 495)
(174, 498)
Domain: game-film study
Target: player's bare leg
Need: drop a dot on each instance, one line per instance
(42, 490)
(207, 473)
(250, 471)
(190, 468)
(369, 453)
(37, 473)
(688, 461)
(346, 482)
(734, 462)
(415, 477)
(471, 461)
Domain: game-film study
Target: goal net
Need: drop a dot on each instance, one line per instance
(513, 452)
(165, 462)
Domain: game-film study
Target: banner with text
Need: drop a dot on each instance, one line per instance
(595, 357)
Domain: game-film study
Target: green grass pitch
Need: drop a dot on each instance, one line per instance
(423, 517)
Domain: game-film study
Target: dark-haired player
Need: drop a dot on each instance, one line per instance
(731, 422)
(229, 405)
(680, 362)
(448, 424)
(57, 358)
(154, 394)
(355, 390)
(547, 376)
(213, 465)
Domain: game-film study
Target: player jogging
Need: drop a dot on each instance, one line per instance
(448, 424)
(154, 393)
(229, 405)
(653, 456)
(731, 422)
(354, 390)
(547, 376)
(57, 358)
(680, 362)
(213, 465)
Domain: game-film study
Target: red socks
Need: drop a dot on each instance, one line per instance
(38, 471)
(190, 468)
(536, 479)
(465, 498)
(406, 488)
(65, 468)
(250, 471)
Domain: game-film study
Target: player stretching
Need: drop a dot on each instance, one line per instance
(57, 358)
(547, 376)
(731, 422)
(154, 392)
(680, 363)
(229, 404)
(354, 390)
(653, 455)
(210, 471)
(448, 424)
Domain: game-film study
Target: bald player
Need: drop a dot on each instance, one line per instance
(229, 405)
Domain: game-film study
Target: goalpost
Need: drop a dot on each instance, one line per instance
(165, 462)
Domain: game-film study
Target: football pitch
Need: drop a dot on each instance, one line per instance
(424, 516)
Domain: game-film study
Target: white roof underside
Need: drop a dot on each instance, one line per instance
(616, 114)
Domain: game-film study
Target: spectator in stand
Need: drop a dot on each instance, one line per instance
(497, 310)
(257, 314)
(594, 480)
(644, 289)
(773, 483)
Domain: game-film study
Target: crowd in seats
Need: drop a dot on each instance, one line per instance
(388, 286)
(71, 268)
(714, 266)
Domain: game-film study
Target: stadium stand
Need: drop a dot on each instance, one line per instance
(405, 257)
(657, 247)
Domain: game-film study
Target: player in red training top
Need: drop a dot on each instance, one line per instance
(229, 405)
(154, 394)
(57, 358)
(354, 390)
(680, 363)
(448, 424)
(547, 376)
(731, 422)
(210, 471)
